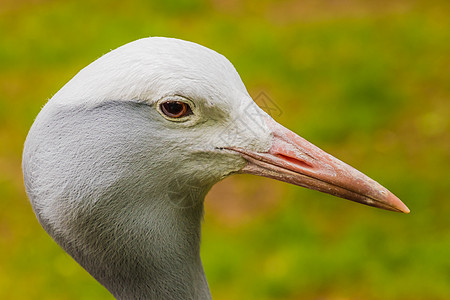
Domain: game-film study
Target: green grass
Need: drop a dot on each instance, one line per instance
(367, 81)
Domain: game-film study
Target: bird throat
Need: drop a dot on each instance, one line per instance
(143, 252)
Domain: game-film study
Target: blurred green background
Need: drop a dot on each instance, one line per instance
(368, 81)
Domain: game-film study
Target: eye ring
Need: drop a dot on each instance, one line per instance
(174, 109)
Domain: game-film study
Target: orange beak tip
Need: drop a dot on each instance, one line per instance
(405, 209)
(397, 204)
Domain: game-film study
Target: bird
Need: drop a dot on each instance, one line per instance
(118, 162)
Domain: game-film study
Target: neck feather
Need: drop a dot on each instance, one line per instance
(142, 252)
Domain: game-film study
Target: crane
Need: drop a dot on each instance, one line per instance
(118, 162)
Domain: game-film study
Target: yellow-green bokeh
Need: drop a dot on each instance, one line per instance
(368, 81)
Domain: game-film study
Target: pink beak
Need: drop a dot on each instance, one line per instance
(294, 160)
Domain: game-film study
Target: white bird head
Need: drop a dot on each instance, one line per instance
(118, 162)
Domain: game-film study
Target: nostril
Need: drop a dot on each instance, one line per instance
(294, 161)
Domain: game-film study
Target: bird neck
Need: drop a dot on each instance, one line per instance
(124, 211)
(144, 251)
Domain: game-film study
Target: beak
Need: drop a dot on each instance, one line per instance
(293, 159)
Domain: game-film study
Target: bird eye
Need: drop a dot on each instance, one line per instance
(175, 109)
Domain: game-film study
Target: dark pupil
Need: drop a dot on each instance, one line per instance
(174, 107)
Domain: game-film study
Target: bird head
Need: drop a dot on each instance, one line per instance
(162, 114)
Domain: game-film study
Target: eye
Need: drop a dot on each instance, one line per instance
(175, 109)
